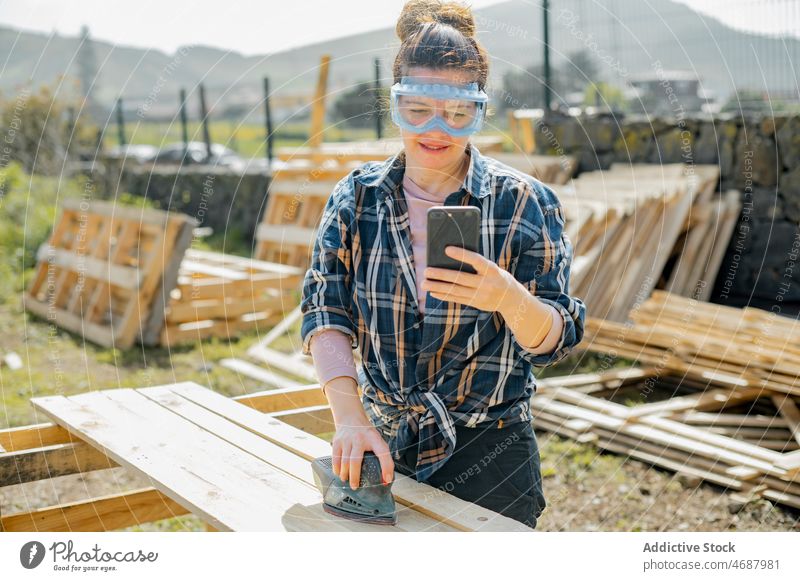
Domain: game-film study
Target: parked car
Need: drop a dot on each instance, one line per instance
(135, 152)
(192, 154)
(196, 152)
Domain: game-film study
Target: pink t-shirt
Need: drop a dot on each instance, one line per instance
(333, 353)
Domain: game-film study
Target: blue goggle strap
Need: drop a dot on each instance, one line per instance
(412, 86)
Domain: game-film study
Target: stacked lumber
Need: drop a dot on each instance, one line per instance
(745, 440)
(520, 125)
(700, 249)
(221, 295)
(749, 347)
(626, 223)
(546, 168)
(103, 267)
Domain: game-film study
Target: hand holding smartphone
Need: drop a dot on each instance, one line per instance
(452, 226)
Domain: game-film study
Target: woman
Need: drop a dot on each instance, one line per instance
(447, 355)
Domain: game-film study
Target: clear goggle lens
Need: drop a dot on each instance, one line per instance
(423, 106)
(456, 113)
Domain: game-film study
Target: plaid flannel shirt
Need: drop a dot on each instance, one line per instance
(458, 365)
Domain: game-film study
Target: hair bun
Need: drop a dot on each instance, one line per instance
(417, 13)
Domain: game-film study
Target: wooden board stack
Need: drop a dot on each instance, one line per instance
(749, 347)
(627, 223)
(745, 440)
(221, 295)
(520, 126)
(102, 268)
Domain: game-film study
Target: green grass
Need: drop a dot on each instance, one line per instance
(248, 140)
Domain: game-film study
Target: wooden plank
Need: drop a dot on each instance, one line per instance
(36, 436)
(319, 189)
(788, 409)
(263, 449)
(222, 308)
(149, 216)
(33, 436)
(443, 507)
(93, 332)
(280, 360)
(722, 419)
(243, 262)
(107, 513)
(223, 328)
(289, 398)
(657, 460)
(318, 104)
(228, 489)
(705, 401)
(258, 373)
(277, 233)
(123, 276)
(49, 462)
(169, 279)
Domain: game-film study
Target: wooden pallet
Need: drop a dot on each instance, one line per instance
(221, 295)
(288, 229)
(102, 268)
(235, 467)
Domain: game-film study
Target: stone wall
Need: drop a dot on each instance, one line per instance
(228, 202)
(757, 155)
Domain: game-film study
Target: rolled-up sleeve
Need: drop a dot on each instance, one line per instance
(327, 299)
(543, 268)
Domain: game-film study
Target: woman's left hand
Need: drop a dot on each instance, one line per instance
(491, 289)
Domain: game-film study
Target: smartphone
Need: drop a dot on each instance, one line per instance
(452, 226)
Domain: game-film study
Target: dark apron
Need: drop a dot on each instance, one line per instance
(498, 469)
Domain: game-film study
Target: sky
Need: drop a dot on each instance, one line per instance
(265, 26)
(246, 26)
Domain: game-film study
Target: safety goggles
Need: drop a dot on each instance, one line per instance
(419, 106)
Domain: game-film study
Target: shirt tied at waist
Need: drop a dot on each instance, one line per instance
(418, 413)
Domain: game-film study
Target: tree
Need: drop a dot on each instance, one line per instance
(41, 131)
